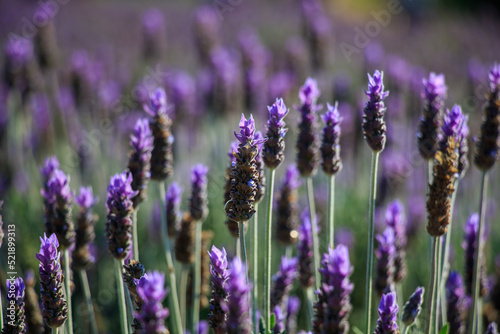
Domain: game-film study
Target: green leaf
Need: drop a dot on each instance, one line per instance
(273, 322)
(262, 329)
(444, 330)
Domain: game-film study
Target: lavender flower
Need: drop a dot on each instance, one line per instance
(374, 127)
(50, 165)
(46, 47)
(279, 316)
(492, 328)
(160, 124)
(231, 224)
(274, 148)
(15, 320)
(307, 140)
(334, 306)
(55, 311)
(455, 125)
(292, 309)
(385, 253)
(185, 241)
(173, 201)
(153, 33)
(283, 281)
(305, 252)
(18, 54)
(395, 218)
(119, 222)
(139, 163)
(413, 306)
(388, 312)
(219, 276)
(151, 289)
(206, 29)
(434, 94)
(455, 301)
(470, 248)
(198, 201)
(244, 175)
(488, 145)
(237, 305)
(287, 208)
(330, 144)
(85, 235)
(57, 212)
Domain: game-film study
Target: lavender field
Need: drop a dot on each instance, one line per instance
(237, 166)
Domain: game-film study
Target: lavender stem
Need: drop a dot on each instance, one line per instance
(474, 318)
(183, 293)
(135, 237)
(314, 230)
(67, 285)
(1, 310)
(331, 203)
(432, 287)
(371, 233)
(438, 283)
(197, 279)
(237, 247)
(172, 296)
(55, 330)
(241, 226)
(267, 299)
(255, 260)
(121, 296)
(88, 299)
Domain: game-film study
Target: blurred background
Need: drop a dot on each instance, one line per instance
(76, 88)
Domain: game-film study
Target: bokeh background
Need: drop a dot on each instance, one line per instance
(108, 54)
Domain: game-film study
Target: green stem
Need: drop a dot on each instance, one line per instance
(241, 226)
(406, 330)
(474, 318)
(121, 296)
(432, 287)
(67, 285)
(88, 299)
(314, 230)
(237, 247)
(1, 310)
(371, 232)
(183, 293)
(331, 203)
(55, 330)
(438, 284)
(255, 272)
(195, 316)
(172, 296)
(446, 257)
(135, 235)
(310, 305)
(267, 301)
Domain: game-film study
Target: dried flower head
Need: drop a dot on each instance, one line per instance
(455, 125)
(287, 219)
(184, 243)
(330, 142)
(173, 199)
(374, 126)
(198, 201)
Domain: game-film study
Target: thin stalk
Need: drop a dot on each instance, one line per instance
(267, 302)
(310, 303)
(432, 287)
(288, 251)
(331, 203)
(438, 284)
(88, 300)
(241, 226)
(445, 258)
(121, 297)
(237, 247)
(314, 230)
(135, 235)
(195, 316)
(67, 285)
(255, 271)
(474, 318)
(1, 310)
(183, 293)
(55, 330)
(406, 329)
(371, 232)
(172, 296)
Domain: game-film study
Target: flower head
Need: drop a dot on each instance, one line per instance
(151, 289)
(309, 92)
(455, 301)
(305, 252)
(50, 165)
(386, 253)
(18, 287)
(330, 144)
(85, 199)
(219, 276)
(283, 281)
(157, 105)
(374, 126)
(434, 88)
(198, 201)
(247, 131)
(274, 147)
(413, 306)
(237, 306)
(469, 245)
(494, 77)
(492, 328)
(388, 311)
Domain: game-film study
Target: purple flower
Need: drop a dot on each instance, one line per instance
(413, 307)
(142, 138)
(152, 21)
(203, 327)
(492, 328)
(15, 291)
(157, 105)
(247, 131)
(54, 307)
(434, 88)
(279, 325)
(305, 252)
(330, 144)
(374, 126)
(15, 302)
(283, 281)
(50, 165)
(232, 150)
(292, 309)
(455, 301)
(388, 312)
(151, 289)
(292, 178)
(494, 77)
(198, 201)
(395, 218)
(119, 222)
(470, 247)
(287, 207)
(238, 302)
(173, 199)
(455, 126)
(385, 253)
(18, 51)
(274, 147)
(334, 306)
(219, 276)
(309, 92)
(85, 199)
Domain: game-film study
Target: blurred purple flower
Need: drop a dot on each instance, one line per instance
(151, 289)
(283, 281)
(238, 302)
